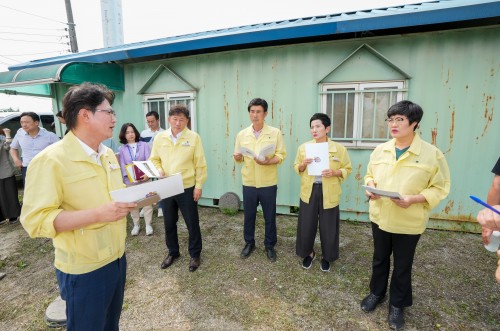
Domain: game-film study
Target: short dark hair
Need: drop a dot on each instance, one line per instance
(123, 131)
(324, 118)
(59, 114)
(179, 109)
(31, 114)
(411, 110)
(153, 113)
(258, 102)
(87, 96)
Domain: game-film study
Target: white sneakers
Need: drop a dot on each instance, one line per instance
(160, 212)
(135, 230)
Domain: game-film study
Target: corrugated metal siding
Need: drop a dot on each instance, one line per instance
(455, 77)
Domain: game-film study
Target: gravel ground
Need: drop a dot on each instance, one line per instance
(453, 282)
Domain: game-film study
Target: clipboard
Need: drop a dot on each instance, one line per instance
(148, 200)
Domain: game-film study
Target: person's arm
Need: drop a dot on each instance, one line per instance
(77, 219)
(14, 153)
(237, 156)
(200, 165)
(486, 217)
(279, 153)
(155, 158)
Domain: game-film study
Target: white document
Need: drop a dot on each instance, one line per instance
(319, 154)
(148, 168)
(268, 150)
(165, 187)
(382, 193)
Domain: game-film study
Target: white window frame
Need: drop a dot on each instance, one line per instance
(358, 88)
(168, 98)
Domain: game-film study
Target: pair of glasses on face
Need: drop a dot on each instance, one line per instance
(397, 120)
(111, 112)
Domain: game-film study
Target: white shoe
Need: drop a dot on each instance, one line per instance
(141, 214)
(160, 212)
(135, 230)
(149, 230)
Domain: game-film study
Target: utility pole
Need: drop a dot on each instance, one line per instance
(71, 28)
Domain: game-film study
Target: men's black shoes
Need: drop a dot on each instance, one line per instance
(247, 250)
(371, 301)
(194, 263)
(169, 260)
(396, 318)
(271, 254)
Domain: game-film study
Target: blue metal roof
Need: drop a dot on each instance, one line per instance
(400, 17)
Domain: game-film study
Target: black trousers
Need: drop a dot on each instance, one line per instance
(402, 246)
(189, 210)
(266, 196)
(9, 201)
(307, 226)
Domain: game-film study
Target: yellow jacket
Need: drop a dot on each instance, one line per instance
(252, 173)
(422, 169)
(186, 156)
(339, 160)
(64, 177)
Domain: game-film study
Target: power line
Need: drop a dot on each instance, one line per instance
(35, 41)
(21, 11)
(31, 34)
(26, 28)
(26, 54)
(8, 58)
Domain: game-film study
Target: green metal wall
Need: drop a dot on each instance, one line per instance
(455, 75)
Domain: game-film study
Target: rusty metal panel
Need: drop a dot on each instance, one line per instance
(455, 77)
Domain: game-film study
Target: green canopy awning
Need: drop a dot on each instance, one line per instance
(36, 81)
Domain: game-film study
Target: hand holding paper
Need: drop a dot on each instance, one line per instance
(268, 150)
(319, 153)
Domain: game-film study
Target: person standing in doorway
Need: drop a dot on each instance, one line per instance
(67, 198)
(179, 149)
(418, 171)
(148, 135)
(259, 175)
(31, 140)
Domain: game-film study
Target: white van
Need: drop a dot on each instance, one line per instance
(12, 120)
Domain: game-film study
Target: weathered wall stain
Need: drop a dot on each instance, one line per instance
(358, 173)
(449, 206)
(434, 132)
(226, 110)
(488, 115)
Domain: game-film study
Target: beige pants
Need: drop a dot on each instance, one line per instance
(148, 215)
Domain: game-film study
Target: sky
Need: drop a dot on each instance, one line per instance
(34, 29)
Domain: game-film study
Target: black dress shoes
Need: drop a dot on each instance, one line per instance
(371, 301)
(169, 260)
(247, 250)
(396, 318)
(194, 263)
(271, 254)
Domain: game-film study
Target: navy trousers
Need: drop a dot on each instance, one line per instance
(94, 300)
(189, 209)
(266, 196)
(403, 247)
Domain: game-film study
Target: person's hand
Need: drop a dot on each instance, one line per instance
(486, 234)
(7, 132)
(406, 202)
(144, 178)
(329, 173)
(489, 219)
(238, 156)
(162, 173)
(497, 273)
(370, 195)
(303, 165)
(196, 194)
(114, 211)
(266, 161)
(18, 163)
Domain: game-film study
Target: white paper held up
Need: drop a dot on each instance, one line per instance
(382, 193)
(268, 150)
(165, 187)
(319, 153)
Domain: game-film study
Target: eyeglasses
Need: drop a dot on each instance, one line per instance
(397, 120)
(108, 111)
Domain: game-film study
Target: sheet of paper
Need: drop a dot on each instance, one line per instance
(268, 150)
(148, 168)
(388, 194)
(318, 152)
(247, 152)
(165, 187)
